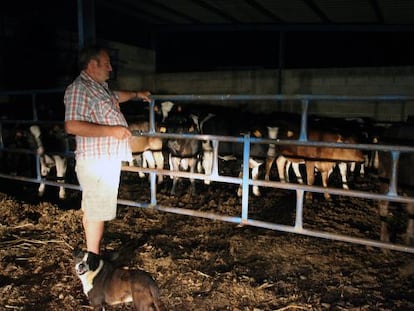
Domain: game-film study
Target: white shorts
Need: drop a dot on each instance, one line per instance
(99, 181)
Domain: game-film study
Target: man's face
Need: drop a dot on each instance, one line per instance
(102, 67)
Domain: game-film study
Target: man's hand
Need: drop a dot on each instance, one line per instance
(120, 132)
(144, 95)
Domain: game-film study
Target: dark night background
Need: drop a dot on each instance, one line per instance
(32, 57)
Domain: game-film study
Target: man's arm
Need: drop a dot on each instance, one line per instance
(87, 129)
(128, 95)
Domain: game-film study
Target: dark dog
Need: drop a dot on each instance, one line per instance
(104, 284)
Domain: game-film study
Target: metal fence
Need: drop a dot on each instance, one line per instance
(246, 181)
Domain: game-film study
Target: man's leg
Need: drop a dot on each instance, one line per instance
(99, 181)
(93, 234)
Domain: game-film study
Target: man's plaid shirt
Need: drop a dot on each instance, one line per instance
(87, 100)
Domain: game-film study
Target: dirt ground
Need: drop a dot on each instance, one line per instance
(201, 264)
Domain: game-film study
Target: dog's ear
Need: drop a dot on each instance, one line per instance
(93, 261)
(78, 252)
(111, 256)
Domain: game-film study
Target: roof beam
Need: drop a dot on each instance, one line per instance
(377, 10)
(171, 10)
(130, 10)
(136, 10)
(254, 4)
(287, 27)
(215, 10)
(312, 5)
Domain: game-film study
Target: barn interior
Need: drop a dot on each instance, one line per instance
(337, 59)
(208, 47)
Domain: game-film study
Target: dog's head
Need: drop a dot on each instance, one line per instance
(86, 262)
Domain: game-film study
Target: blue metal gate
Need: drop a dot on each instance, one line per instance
(245, 181)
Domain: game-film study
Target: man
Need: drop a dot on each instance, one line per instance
(92, 113)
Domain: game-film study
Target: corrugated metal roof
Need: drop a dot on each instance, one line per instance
(263, 12)
(205, 34)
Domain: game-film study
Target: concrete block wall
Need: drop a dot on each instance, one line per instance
(332, 81)
(217, 82)
(355, 82)
(136, 70)
(135, 67)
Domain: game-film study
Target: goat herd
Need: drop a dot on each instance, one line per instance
(294, 163)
